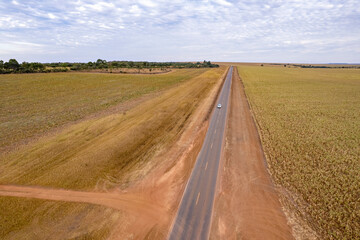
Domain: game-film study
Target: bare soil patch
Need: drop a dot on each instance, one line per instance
(137, 204)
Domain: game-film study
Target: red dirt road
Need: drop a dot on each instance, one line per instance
(247, 205)
(134, 203)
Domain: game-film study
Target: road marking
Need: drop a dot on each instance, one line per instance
(212, 145)
(206, 165)
(215, 130)
(197, 199)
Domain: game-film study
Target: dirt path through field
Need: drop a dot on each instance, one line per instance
(134, 203)
(247, 206)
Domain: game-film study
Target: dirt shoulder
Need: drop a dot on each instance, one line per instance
(247, 205)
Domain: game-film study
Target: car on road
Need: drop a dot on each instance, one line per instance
(219, 105)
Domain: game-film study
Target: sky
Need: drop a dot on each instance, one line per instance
(286, 31)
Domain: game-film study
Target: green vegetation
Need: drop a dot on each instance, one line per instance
(33, 104)
(103, 64)
(310, 126)
(12, 66)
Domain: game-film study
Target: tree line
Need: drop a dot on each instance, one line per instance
(13, 66)
(327, 66)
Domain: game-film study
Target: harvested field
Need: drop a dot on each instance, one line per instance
(33, 104)
(310, 128)
(100, 155)
(25, 218)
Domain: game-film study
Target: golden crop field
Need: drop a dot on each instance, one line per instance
(99, 153)
(33, 104)
(309, 121)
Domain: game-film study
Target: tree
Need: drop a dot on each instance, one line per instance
(37, 66)
(12, 64)
(101, 64)
(1, 64)
(90, 64)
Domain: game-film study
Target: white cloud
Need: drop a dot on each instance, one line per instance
(222, 2)
(134, 9)
(148, 3)
(19, 47)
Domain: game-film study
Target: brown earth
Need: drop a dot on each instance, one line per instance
(247, 205)
(131, 202)
(151, 203)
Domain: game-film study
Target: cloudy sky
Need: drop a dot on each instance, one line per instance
(312, 31)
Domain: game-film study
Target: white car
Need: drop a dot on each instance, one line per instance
(219, 105)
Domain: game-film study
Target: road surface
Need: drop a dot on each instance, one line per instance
(193, 218)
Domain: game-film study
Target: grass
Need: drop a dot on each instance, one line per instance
(99, 153)
(33, 104)
(309, 121)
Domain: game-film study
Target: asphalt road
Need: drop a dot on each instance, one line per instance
(193, 219)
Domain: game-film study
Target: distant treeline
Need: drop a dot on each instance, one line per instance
(323, 66)
(318, 66)
(12, 66)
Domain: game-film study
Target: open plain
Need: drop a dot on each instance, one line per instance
(118, 170)
(180, 120)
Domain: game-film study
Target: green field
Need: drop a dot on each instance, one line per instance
(309, 121)
(33, 104)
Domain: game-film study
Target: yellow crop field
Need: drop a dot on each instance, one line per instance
(309, 122)
(99, 153)
(33, 104)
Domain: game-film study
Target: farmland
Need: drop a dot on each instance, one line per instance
(309, 121)
(33, 104)
(100, 153)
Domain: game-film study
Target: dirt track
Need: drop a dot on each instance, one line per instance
(247, 206)
(133, 203)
